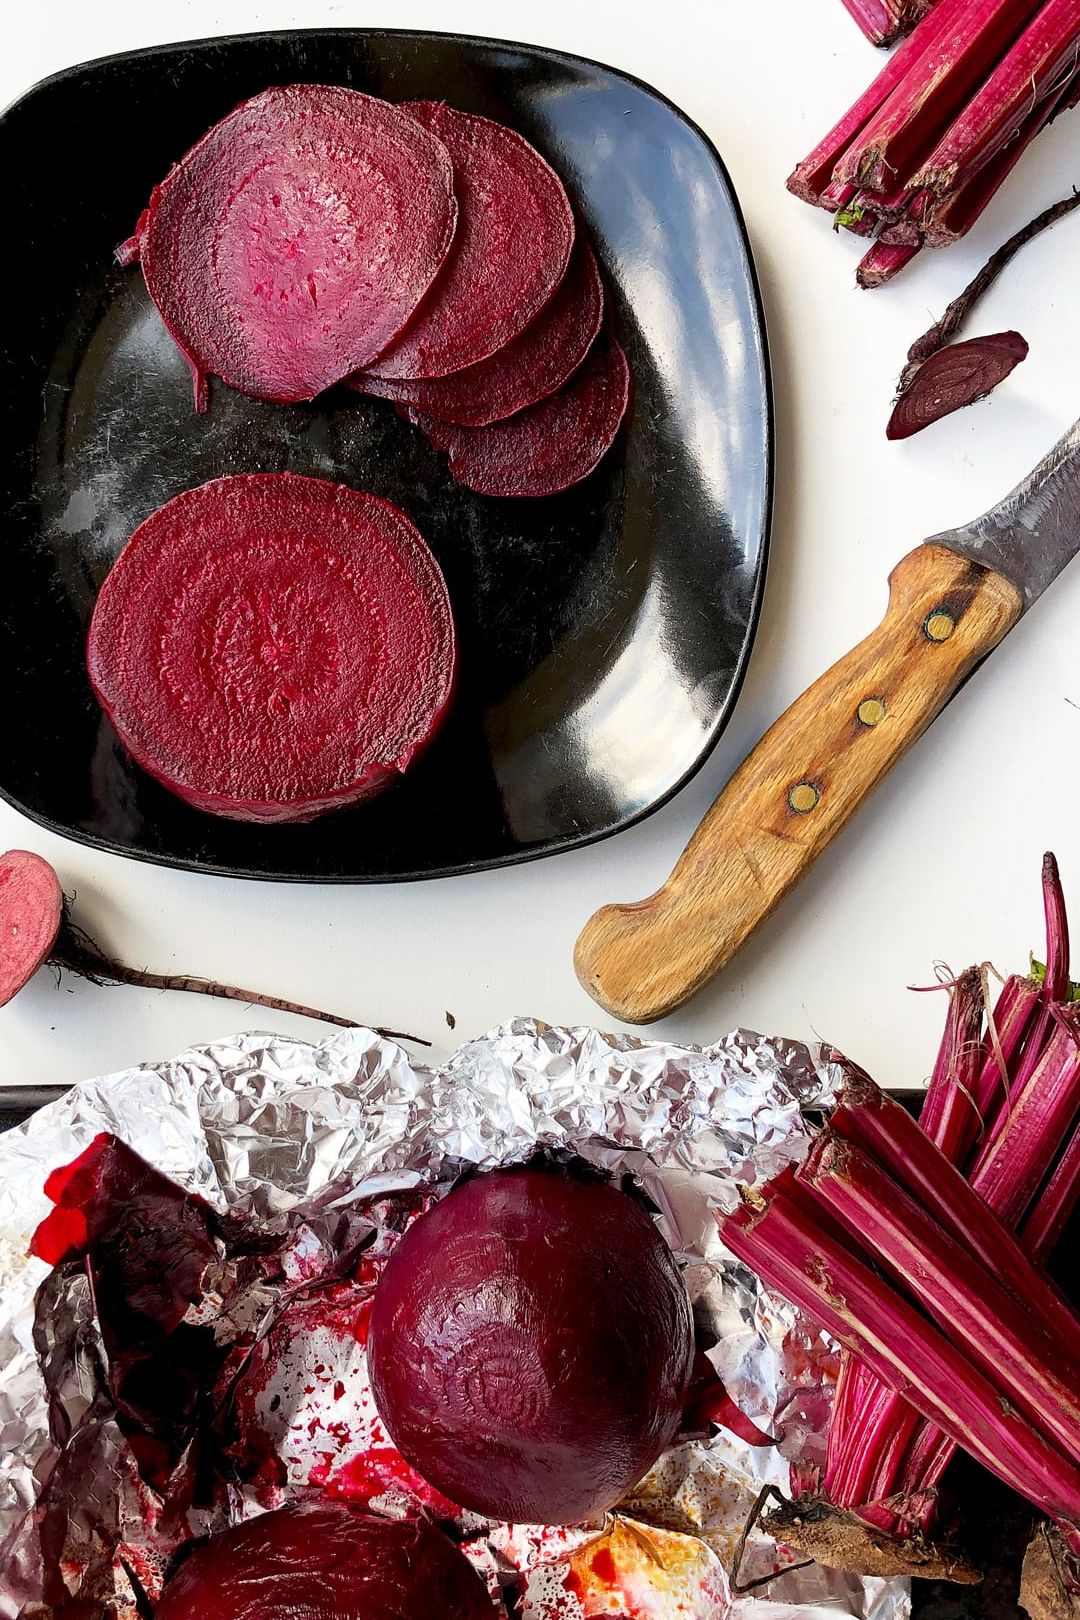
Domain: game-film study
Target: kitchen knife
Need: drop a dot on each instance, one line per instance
(951, 601)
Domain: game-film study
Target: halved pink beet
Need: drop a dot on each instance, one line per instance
(271, 647)
(526, 370)
(295, 240)
(548, 447)
(323, 1560)
(515, 232)
(31, 904)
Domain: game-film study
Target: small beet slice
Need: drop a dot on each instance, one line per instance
(295, 240)
(515, 233)
(271, 647)
(530, 368)
(31, 903)
(548, 447)
(953, 377)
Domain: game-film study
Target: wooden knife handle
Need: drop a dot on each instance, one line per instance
(798, 787)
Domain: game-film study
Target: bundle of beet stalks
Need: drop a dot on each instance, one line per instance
(919, 156)
(921, 1248)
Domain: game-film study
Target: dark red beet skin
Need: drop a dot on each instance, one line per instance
(531, 1345)
(324, 1561)
(550, 446)
(295, 240)
(527, 370)
(515, 232)
(271, 647)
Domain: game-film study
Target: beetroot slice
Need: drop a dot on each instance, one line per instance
(548, 447)
(515, 233)
(527, 370)
(295, 240)
(531, 1345)
(31, 903)
(326, 1561)
(271, 647)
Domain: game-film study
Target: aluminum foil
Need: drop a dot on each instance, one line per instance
(313, 1141)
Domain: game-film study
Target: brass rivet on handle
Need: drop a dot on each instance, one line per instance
(872, 711)
(939, 625)
(803, 798)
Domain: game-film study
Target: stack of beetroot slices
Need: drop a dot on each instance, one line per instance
(425, 255)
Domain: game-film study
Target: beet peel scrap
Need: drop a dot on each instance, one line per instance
(293, 242)
(513, 242)
(548, 447)
(271, 647)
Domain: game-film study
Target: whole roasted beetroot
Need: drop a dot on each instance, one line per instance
(531, 1345)
(325, 1561)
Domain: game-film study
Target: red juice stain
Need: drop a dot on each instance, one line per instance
(339, 1390)
(603, 1567)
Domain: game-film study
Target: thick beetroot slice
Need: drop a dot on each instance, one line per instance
(515, 232)
(271, 647)
(531, 1345)
(294, 241)
(325, 1561)
(528, 369)
(548, 447)
(31, 902)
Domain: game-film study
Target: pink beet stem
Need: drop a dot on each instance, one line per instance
(815, 171)
(1011, 1167)
(952, 217)
(1030, 72)
(882, 263)
(876, 1124)
(1056, 1204)
(877, 20)
(970, 37)
(1003, 1333)
(800, 1258)
(948, 1114)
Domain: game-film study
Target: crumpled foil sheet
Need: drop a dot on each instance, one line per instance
(296, 1136)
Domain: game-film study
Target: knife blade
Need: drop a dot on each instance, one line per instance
(951, 602)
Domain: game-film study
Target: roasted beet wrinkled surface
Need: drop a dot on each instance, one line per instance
(515, 231)
(293, 242)
(528, 369)
(271, 647)
(550, 446)
(324, 1561)
(531, 1345)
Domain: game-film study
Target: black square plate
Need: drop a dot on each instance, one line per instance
(603, 632)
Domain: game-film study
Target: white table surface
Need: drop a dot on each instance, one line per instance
(942, 865)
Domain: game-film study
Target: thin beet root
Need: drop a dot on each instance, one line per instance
(954, 377)
(36, 930)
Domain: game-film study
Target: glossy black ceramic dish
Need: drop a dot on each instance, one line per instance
(604, 632)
